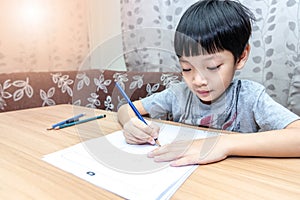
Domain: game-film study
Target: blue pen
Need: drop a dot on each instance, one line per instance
(130, 103)
(79, 122)
(70, 120)
(137, 113)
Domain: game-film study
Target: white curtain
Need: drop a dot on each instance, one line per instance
(148, 26)
(148, 29)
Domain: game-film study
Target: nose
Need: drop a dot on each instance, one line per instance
(199, 78)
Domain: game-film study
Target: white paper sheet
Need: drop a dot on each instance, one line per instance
(110, 163)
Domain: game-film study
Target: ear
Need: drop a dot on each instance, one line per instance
(243, 58)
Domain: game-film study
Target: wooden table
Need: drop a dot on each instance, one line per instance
(24, 140)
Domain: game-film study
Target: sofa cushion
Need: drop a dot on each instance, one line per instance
(96, 89)
(90, 88)
(34, 89)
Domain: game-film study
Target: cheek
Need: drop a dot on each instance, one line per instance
(188, 81)
(227, 78)
(222, 80)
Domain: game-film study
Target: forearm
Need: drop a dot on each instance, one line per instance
(124, 114)
(279, 143)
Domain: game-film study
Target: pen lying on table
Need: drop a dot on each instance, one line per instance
(70, 120)
(134, 109)
(79, 122)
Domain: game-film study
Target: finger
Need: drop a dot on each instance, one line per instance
(150, 130)
(170, 152)
(129, 138)
(138, 123)
(134, 141)
(163, 154)
(134, 129)
(183, 161)
(166, 157)
(139, 138)
(154, 130)
(145, 139)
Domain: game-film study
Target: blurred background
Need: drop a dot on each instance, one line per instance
(55, 35)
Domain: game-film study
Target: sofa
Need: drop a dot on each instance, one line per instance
(94, 88)
(90, 88)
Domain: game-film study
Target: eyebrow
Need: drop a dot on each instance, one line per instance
(182, 60)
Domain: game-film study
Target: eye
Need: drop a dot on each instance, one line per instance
(186, 66)
(186, 70)
(214, 68)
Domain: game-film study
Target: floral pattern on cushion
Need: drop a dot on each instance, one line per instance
(99, 90)
(89, 88)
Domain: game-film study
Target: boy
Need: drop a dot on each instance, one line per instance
(211, 42)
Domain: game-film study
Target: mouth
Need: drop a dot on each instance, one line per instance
(203, 93)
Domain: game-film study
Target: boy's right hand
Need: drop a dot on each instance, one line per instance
(137, 132)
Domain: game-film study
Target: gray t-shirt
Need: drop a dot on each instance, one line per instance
(244, 107)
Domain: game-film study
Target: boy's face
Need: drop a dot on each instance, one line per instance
(208, 76)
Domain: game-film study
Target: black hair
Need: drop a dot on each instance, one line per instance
(211, 26)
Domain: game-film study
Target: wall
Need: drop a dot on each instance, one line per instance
(55, 35)
(48, 35)
(105, 34)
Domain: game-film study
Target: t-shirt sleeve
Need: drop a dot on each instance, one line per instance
(270, 115)
(159, 104)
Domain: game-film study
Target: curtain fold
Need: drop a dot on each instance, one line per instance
(148, 30)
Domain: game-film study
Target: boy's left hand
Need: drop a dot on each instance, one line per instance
(201, 151)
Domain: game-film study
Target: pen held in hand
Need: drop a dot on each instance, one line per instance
(157, 142)
(79, 122)
(137, 113)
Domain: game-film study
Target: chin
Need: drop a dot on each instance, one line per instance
(205, 100)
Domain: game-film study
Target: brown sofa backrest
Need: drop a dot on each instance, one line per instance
(90, 88)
